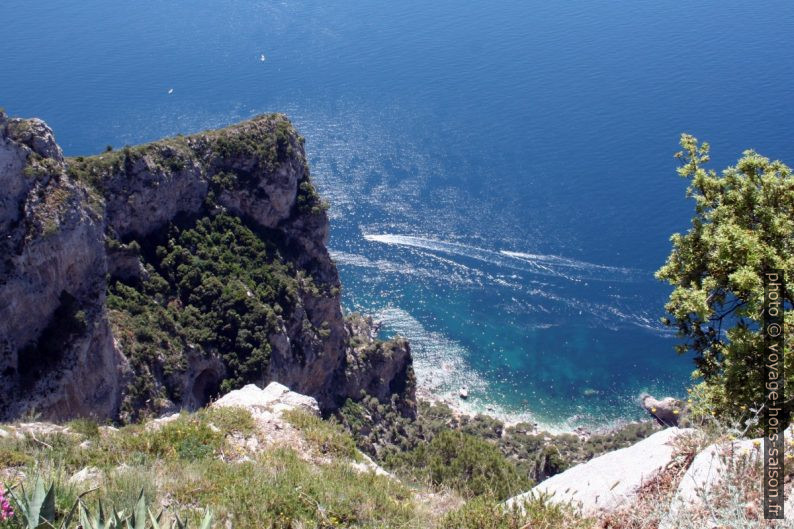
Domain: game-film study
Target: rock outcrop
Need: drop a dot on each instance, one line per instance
(68, 225)
(667, 411)
(267, 407)
(274, 400)
(608, 482)
(720, 463)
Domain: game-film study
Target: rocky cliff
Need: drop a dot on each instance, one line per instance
(148, 279)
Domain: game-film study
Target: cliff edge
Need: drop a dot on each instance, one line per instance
(148, 279)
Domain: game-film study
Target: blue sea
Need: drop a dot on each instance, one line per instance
(501, 174)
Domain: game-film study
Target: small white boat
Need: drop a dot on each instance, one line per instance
(262, 57)
(464, 392)
(170, 90)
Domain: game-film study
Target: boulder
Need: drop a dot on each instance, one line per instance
(86, 476)
(156, 424)
(665, 411)
(366, 464)
(607, 482)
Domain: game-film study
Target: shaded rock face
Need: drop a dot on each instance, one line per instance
(56, 351)
(63, 225)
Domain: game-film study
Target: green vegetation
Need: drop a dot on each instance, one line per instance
(471, 466)
(328, 437)
(212, 284)
(402, 443)
(486, 513)
(196, 461)
(743, 225)
(269, 153)
(37, 510)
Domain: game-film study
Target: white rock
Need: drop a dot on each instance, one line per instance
(607, 482)
(4, 434)
(252, 443)
(366, 464)
(274, 399)
(88, 475)
(158, 423)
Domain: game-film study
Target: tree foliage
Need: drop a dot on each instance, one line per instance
(743, 225)
(213, 286)
(468, 464)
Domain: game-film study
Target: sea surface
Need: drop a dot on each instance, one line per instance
(501, 173)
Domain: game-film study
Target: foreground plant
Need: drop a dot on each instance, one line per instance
(37, 508)
(743, 225)
(38, 511)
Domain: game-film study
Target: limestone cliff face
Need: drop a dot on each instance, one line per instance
(65, 231)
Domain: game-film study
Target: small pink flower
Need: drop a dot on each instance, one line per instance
(6, 511)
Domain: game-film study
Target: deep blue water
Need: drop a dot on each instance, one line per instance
(500, 173)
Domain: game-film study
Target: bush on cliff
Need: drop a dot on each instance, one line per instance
(743, 225)
(381, 431)
(472, 466)
(212, 285)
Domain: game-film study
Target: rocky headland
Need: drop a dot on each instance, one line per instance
(149, 279)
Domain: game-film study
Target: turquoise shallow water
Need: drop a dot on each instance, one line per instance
(500, 173)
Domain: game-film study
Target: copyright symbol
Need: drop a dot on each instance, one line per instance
(773, 330)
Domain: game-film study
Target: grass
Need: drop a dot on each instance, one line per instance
(184, 466)
(486, 512)
(325, 436)
(195, 461)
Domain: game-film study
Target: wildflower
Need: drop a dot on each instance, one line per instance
(675, 412)
(653, 410)
(6, 512)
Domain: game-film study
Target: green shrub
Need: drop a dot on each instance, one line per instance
(10, 458)
(186, 438)
(465, 463)
(213, 284)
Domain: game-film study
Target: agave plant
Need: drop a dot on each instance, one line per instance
(38, 511)
(114, 520)
(38, 507)
(138, 518)
(206, 523)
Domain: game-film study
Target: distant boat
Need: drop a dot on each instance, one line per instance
(170, 90)
(262, 57)
(464, 392)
